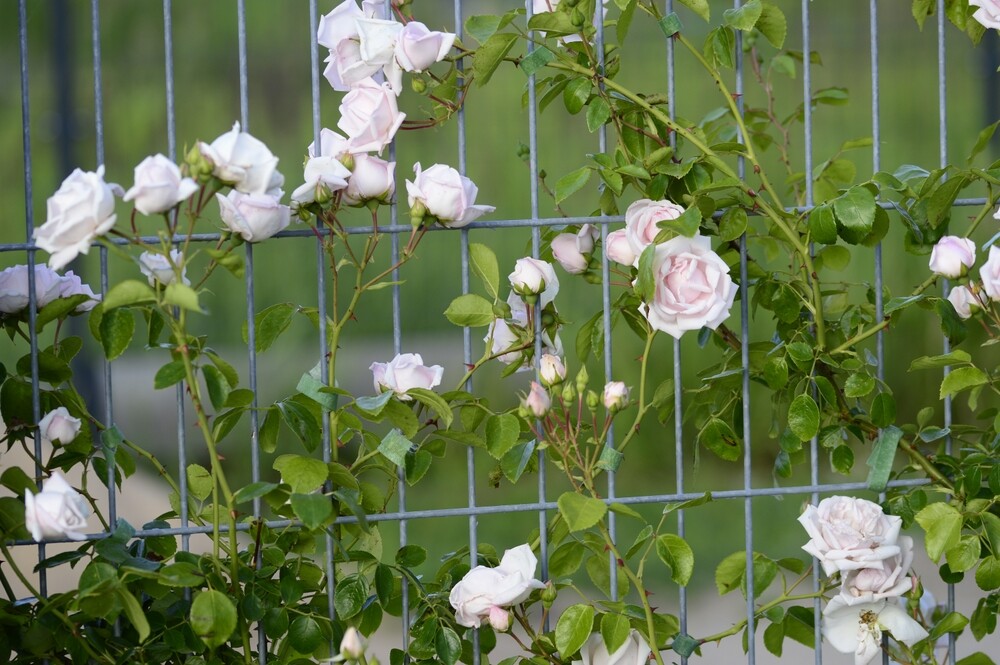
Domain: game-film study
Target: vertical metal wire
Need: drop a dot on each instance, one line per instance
(943, 161)
(168, 53)
(95, 35)
(321, 290)
(241, 31)
(470, 453)
(29, 224)
(543, 537)
(678, 377)
(745, 355)
(808, 167)
(602, 144)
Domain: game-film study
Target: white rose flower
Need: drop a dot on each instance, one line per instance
(377, 39)
(572, 250)
(952, 256)
(372, 179)
(405, 371)
(693, 287)
(14, 287)
(445, 194)
(485, 592)
(988, 13)
(159, 186)
(59, 425)
(321, 172)
(534, 277)
(417, 47)
(634, 651)
(889, 580)
(58, 511)
(551, 370)
(965, 302)
(858, 628)
(71, 285)
(82, 209)
(618, 249)
(537, 401)
(848, 533)
(330, 143)
(989, 272)
(641, 218)
(158, 270)
(244, 162)
(346, 67)
(352, 647)
(370, 116)
(615, 395)
(256, 217)
(339, 24)
(502, 338)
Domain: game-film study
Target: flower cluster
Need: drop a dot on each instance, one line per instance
(853, 538)
(532, 282)
(953, 257)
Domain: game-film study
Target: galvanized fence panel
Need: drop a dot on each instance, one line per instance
(472, 510)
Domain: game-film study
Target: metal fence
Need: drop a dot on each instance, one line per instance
(473, 510)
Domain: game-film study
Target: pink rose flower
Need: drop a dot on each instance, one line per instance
(446, 194)
(405, 371)
(952, 256)
(618, 249)
(370, 116)
(693, 287)
(641, 218)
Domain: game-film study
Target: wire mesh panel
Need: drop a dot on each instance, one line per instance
(417, 515)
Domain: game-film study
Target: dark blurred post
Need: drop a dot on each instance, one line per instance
(64, 133)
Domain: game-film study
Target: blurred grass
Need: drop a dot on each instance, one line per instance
(207, 101)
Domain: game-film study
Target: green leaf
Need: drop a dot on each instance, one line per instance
(394, 447)
(842, 459)
(982, 141)
(171, 373)
(773, 25)
(956, 357)
(411, 556)
(686, 224)
(58, 309)
(855, 212)
(218, 388)
(730, 571)
(134, 612)
(128, 292)
(515, 462)
(470, 310)
(181, 295)
(645, 284)
(350, 597)
(699, 7)
(883, 410)
(744, 17)
(880, 460)
(181, 574)
(253, 491)
(502, 432)
(484, 264)
(117, 327)
(965, 555)
(732, 224)
(553, 23)
(301, 421)
(575, 95)
(566, 559)
(678, 557)
(859, 384)
(573, 629)
(720, 45)
(270, 323)
(228, 259)
(212, 617)
(803, 417)
(302, 474)
(571, 183)
(615, 630)
(312, 509)
(535, 60)
(268, 434)
(489, 56)
(435, 402)
(598, 113)
(943, 524)
(951, 623)
(988, 573)
(719, 437)
(448, 646)
(961, 379)
(482, 28)
(305, 635)
(199, 481)
(581, 512)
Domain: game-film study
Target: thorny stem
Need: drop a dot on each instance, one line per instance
(884, 323)
(643, 406)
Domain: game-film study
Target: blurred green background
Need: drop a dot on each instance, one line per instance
(62, 121)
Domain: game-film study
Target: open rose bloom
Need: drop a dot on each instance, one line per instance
(405, 371)
(58, 511)
(485, 593)
(848, 533)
